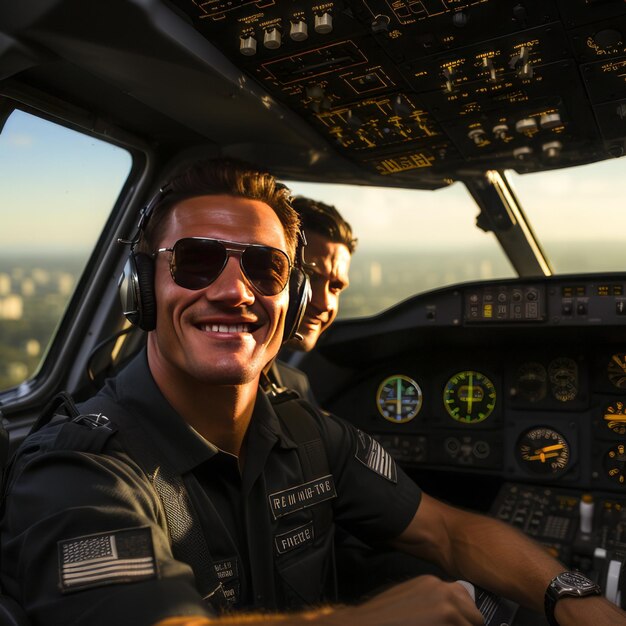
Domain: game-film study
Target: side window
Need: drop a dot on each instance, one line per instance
(57, 189)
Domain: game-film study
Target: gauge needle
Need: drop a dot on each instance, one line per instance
(542, 456)
(399, 397)
(558, 446)
(615, 418)
(470, 395)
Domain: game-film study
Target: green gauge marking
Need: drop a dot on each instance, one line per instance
(399, 399)
(469, 397)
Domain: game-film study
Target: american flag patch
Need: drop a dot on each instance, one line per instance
(106, 558)
(374, 456)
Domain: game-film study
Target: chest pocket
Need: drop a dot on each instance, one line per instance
(303, 532)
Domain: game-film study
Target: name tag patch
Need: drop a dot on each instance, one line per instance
(106, 558)
(292, 539)
(302, 496)
(375, 457)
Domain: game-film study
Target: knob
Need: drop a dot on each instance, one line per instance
(400, 107)
(477, 135)
(247, 46)
(272, 39)
(550, 120)
(552, 149)
(299, 31)
(488, 65)
(323, 23)
(354, 121)
(500, 131)
(380, 24)
(523, 153)
(526, 125)
(526, 71)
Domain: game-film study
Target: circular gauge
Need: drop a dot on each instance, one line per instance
(543, 451)
(469, 397)
(616, 370)
(531, 382)
(615, 463)
(615, 417)
(399, 399)
(563, 374)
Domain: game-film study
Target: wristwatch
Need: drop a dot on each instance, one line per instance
(567, 585)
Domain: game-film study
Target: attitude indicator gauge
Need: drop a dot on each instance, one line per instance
(399, 399)
(543, 451)
(469, 397)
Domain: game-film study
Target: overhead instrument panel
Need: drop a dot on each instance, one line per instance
(420, 90)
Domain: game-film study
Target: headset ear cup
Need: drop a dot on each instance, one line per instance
(136, 287)
(145, 284)
(299, 297)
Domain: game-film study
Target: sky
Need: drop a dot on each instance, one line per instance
(58, 186)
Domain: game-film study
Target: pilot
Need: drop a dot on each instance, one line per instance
(329, 248)
(181, 491)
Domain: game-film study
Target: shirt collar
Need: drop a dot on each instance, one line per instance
(183, 447)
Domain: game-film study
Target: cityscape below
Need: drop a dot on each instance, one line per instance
(35, 290)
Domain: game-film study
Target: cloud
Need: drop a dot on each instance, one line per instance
(19, 140)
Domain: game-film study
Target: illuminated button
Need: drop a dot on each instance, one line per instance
(618, 290)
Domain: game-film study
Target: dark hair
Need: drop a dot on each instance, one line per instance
(325, 220)
(228, 177)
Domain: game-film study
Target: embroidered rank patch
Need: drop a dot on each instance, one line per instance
(302, 496)
(374, 456)
(106, 558)
(292, 539)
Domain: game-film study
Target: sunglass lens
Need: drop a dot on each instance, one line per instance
(196, 263)
(266, 268)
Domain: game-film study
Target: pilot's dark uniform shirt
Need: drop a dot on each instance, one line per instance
(84, 536)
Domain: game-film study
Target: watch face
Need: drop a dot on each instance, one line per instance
(574, 579)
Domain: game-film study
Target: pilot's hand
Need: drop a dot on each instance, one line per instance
(421, 601)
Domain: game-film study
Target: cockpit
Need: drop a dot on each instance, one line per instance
(475, 146)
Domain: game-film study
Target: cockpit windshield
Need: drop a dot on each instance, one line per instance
(578, 215)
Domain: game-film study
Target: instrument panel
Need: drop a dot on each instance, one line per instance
(419, 89)
(525, 393)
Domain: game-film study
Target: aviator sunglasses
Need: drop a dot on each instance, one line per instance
(196, 262)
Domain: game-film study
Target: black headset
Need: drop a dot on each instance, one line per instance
(136, 283)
